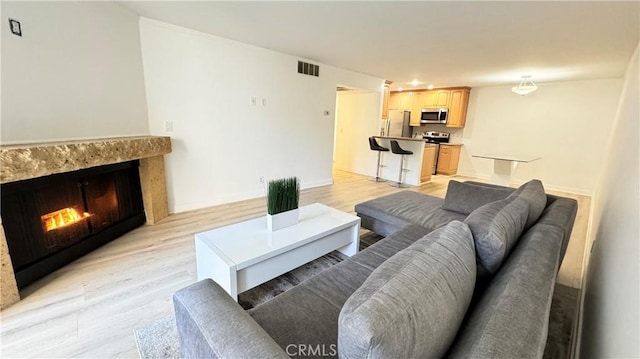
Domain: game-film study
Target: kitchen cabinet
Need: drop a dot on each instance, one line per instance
(456, 99)
(401, 101)
(408, 101)
(385, 100)
(436, 98)
(394, 101)
(416, 108)
(458, 103)
(427, 163)
(448, 158)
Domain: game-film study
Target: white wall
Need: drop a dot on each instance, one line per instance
(611, 310)
(75, 73)
(221, 144)
(564, 123)
(357, 118)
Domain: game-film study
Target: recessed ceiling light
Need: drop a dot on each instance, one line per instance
(399, 88)
(430, 87)
(415, 82)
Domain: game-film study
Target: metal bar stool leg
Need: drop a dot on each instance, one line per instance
(395, 148)
(376, 147)
(378, 178)
(400, 184)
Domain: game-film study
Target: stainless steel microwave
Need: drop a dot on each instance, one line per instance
(434, 115)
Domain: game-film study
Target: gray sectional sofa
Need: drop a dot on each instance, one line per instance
(470, 275)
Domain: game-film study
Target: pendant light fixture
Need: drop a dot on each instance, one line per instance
(526, 86)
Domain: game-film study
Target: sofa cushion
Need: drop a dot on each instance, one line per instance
(496, 227)
(308, 313)
(412, 305)
(466, 197)
(533, 193)
(408, 207)
(511, 318)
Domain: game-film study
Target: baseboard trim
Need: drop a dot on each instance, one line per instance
(474, 175)
(517, 182)
(238, 196)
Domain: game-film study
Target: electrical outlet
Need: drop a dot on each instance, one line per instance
(261, 179)
(168, 126)
(253, 101)
(264, 102)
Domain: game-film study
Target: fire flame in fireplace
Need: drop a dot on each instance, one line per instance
(63, 218)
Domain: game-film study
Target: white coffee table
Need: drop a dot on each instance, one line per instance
(244, 255)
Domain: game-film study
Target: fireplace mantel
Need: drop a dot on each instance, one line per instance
(27, 161)
(21, 162)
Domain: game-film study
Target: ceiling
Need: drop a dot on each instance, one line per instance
(447, 43)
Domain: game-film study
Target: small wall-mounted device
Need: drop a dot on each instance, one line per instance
(15, 27)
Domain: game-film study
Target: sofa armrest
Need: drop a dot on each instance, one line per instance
(212, 325)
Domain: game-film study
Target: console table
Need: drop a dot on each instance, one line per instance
(246, 254)
(505, 165)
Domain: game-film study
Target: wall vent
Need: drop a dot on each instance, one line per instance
(308, 69)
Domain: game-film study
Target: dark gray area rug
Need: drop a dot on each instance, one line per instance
(159, 339)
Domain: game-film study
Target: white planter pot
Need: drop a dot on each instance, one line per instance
(282, 220)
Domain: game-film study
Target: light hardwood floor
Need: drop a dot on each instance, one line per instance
(90, 307)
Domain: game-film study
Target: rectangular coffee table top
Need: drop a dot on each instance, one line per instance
(245, 243)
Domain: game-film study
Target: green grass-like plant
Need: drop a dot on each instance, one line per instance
(283, 195)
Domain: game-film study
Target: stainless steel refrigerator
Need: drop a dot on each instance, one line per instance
(397, 125)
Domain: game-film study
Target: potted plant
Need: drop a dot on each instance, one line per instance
(282, 203)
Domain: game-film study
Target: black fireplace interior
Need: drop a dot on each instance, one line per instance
(53, 220)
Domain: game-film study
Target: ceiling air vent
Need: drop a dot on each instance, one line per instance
(308, 69)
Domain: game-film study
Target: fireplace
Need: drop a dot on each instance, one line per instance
(50, 221)
(22, 162)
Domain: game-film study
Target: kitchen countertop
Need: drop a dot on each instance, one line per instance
(416, 139)
(443, 144)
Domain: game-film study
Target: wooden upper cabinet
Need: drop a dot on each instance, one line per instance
(458, 103)
(429, 98)
(436, 98)
(401, 101)
(394, 101)
(407, 101)
(385, 100)
(456, 99)
(442, 98)
(416, 108)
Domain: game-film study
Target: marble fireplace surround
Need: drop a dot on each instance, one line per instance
(20, 162)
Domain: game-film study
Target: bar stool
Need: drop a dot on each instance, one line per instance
(395, 148)
(373, 144)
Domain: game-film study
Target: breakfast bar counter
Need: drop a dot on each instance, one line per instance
(412, 162)
(400, 138)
